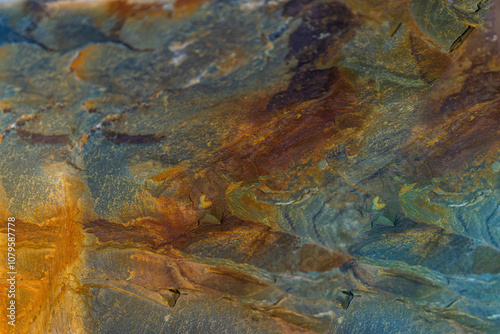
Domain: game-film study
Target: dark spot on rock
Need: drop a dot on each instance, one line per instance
(347, 266)
(478, 87)
(305, 86)
(451, 103)
(294, 7)
(38, 138)
(174, 297)
(323, 24)
(345, 299)
(123, 138)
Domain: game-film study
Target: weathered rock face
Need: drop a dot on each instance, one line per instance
(251, 166)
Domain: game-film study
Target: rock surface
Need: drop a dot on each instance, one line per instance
(251, 166)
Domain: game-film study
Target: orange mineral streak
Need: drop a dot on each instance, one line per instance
(84, 56)
(170, 173)
(46, 266)
(125, 9)
(187, 5)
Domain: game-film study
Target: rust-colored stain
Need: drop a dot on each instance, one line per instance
(304, 127)
(41, 234)
(303, 166)
(171, 173)
(78, 64)
(187, 6)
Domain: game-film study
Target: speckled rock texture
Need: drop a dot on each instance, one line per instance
(251, 166)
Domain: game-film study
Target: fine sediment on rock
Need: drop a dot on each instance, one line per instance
(301, 166)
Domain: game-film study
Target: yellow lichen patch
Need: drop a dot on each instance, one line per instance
(405, 188)
(204, 202)
(377, 205)
(232, 186)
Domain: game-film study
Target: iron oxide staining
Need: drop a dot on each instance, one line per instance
(246, 173)
(107, 231)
